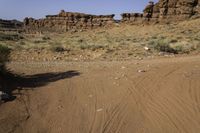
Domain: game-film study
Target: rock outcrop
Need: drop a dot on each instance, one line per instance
(132, 17)
(9, 25)
(179, 9)
(165, 11)
(67, 21)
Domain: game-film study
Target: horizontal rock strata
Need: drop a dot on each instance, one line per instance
(9, 25)
(165, 11)
(68, 21)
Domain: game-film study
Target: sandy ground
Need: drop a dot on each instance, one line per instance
(139, 96)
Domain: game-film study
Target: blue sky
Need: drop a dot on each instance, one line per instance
(19, 9)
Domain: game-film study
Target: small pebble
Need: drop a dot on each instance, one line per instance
(141, 71)
(123, 67)
(99, 110)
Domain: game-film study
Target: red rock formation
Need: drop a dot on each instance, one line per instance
(66, 21)
(132, 17)
(163, 11)
(6, 25)
(167, 11)
(177, 9)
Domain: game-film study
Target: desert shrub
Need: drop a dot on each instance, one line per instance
(172, 46)
(109, 50)
(130, 53)
(184, 47)
(179, 48)
(197, 39)
(154, 37)
(93, 47)
(39, 41)
(84, 46)
(4, 57)
(80, 41)
(57, 49)
(4, 53)
(173, 41)
(20, 43)
(46, 38)
(97, 47)
(162, 45)
(10, 37)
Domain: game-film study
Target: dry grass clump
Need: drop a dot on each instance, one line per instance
(162, 45)
(185, 47)
(172, 46)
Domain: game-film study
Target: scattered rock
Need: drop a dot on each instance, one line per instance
(99, 110)
(146, 48)
(137, 63)
(116, 78)
(90, 96)
(75, 59)
(60, 107)
(141, 71)
(55, 58)
(123, 67)
(139, 58)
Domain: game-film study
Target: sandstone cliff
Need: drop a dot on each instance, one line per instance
(66, 21)
(165, 11)
(9, 25)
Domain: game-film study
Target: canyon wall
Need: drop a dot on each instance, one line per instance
(68, 21)
(10, 25)
(165, 11)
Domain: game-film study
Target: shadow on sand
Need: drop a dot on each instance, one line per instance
(12, 82)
